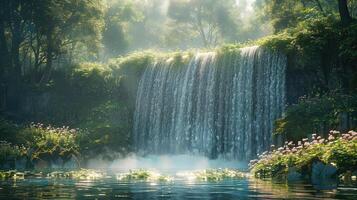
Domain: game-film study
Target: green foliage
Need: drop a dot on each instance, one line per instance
(229, 49)
(203, 175)
(218, 174)
(77, 174)
(289, 13)
(338, 150)
(277, 42)
(11, 152)
(8, 130)
(319, 48)
(348, 47)
(12, 174)
(310, 114)
(133, 64)
(211, 20)
(49, 142)
(142, 175)
(119, 16)
(97, 97)
(312, 35)
(342, 153)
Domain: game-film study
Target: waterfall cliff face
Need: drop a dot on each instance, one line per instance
(217, 106)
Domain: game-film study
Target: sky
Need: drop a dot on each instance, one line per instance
(249, 4)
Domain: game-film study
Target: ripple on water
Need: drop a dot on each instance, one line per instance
(111, 188)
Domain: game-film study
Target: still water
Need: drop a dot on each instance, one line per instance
(111, 188)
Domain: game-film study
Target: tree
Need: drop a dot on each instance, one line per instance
(212, 20)
(344, 13)
(63, 23)
(118, 17)
(34, 33)
(288, 13)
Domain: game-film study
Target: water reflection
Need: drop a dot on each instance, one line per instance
(110, 188)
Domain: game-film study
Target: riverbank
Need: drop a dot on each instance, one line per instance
(322, 161)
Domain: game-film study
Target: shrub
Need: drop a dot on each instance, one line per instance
(8, 130)
(310, 114)
(9, 152)
(338, 150)
(49, 142)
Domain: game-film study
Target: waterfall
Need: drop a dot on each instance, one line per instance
(216, 105)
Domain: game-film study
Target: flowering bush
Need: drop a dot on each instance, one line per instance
(50, 141)
(338, 149)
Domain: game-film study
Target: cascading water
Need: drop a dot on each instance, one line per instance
(217, 106)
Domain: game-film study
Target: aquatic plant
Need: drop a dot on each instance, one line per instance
(75, 174)
(212, 174)
(339, 150)
(12, 174)
(142, 174)
(78, 174)
(218, 174)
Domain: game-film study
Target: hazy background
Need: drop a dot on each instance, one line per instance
(178, 24)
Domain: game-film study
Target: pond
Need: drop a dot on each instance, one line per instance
(110, 187)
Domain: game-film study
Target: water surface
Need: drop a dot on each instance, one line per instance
(111, 188)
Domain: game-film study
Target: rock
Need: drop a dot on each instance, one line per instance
(41, 164)
(57, 163)
(71, 163)
(293, 175)
(324, 176)
(21, 164)
(347, 177)
(7, 165)
(354, 176)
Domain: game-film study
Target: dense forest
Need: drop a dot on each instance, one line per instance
(76, 64)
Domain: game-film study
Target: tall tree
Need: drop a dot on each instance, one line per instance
(64, 23)
(212, 20)
(344, 13)
(118, 17)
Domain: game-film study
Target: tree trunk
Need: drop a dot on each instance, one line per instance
(344, 13)
(4, 51)
(49, 57)
(15, 50)
(4, 65)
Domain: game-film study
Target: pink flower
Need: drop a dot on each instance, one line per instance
(331, 138)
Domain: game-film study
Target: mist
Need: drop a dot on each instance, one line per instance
(170, 25)
(171, 163)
